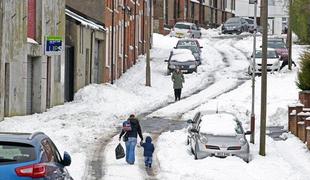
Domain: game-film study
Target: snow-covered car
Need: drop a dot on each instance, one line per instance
(219, 135)
(273, 61)
(192, 45)
(185, 30)
(182, 59)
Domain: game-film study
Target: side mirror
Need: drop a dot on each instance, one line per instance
(166, 60)
(194, 131)
(200, 47)
(66, 159)
(190, 121)
(248, 133)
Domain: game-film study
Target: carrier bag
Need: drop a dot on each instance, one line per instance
(119, 151)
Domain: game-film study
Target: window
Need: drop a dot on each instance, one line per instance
(13, 153)
(50, 152)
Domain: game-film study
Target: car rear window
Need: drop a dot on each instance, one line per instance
(182, 26)
(13, 153)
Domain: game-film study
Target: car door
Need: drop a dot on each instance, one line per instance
(52, 159)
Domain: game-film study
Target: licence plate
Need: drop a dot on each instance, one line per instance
(221, 154)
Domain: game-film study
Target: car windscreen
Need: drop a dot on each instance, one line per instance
(182, 26)
(192, 48)
(270, 54)
(233, 21)
(13, 153)
(276, 44)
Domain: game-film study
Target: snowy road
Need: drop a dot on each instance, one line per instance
(217, 52)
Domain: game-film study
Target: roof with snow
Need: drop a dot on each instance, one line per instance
(84, 21)
(219, 125)
(182, 55)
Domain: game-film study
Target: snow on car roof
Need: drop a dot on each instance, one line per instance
(218, 125)
(182, 55)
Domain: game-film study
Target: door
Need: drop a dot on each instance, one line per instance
(69, 74)
(48, 82)
(95, 68)
(7, 89)
(29, 85)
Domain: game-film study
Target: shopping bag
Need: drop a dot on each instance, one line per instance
(119, 151)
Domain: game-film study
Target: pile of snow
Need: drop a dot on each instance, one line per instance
(218, 124)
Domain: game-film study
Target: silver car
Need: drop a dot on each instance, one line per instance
(185, 30)
(218, 135)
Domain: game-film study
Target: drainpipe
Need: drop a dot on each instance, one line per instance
(134, 35)
(124, 36)
(112, 44)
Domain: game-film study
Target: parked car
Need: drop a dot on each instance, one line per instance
(219, 135)
(273, 61)
(31, 156)
(185, 29)
(251, 26)
(280, 47)
(192, 45)
(182, 59)
(236, 25)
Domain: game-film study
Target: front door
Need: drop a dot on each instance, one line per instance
(69, 74)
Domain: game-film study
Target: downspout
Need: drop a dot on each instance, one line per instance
(134, 35)
(124, 36)
(112, 44)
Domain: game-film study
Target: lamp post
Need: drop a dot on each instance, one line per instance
(264, 19)
(148, 45)
(289, 37)
(252, 138)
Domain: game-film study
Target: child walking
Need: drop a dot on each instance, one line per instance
(148, 151)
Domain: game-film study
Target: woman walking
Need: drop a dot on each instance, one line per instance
(178, 80)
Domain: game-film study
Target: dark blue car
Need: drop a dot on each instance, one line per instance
(31, 156)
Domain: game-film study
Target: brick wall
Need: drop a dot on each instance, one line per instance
(31, 30)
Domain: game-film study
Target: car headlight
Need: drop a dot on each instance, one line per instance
(242, 141)
(192, 66)
(204, 139)
(172, 66)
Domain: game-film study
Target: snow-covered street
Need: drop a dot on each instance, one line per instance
(88, 127)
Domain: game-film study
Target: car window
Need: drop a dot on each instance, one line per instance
(12, 153)
(55, 151)
(270, 54)
(239, 129)
(276, 44)
(50, 153)
(233, 20)
(182, 26)
(187, 43)
(250, 21)
(194, 49)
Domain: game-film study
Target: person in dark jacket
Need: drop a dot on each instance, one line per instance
(178, 80)
(148, 151)
(131, 138)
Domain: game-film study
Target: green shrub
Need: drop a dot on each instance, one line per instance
(303, 81)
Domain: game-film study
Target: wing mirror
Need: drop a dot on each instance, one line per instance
(190, 121)
(248, 133)
(166, 60)
(66, 160)
(200, 47)
(194, 131)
